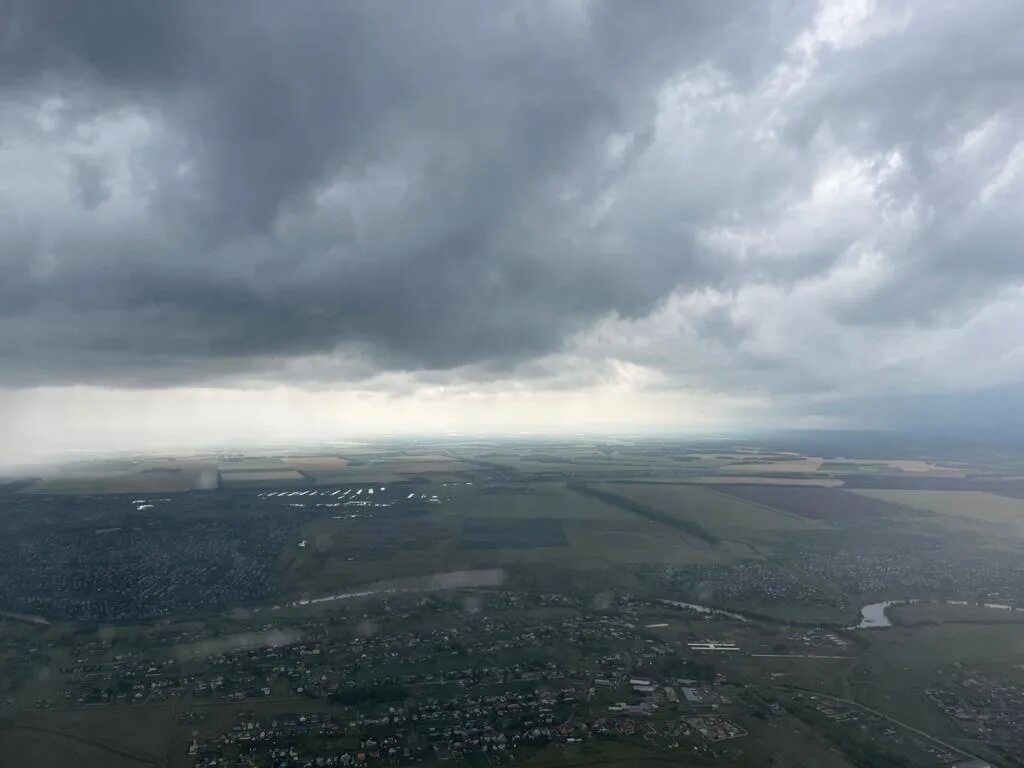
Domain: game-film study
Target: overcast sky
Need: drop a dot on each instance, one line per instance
(295, 220)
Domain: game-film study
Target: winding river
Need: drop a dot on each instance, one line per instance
(706, 609)
(874, 616)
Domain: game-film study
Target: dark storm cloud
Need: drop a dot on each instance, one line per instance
(780, 198)
(954, 69)
(471, 121)
(91, 181)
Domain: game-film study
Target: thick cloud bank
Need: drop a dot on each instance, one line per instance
(798, 202)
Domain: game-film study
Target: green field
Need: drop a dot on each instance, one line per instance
(29, 746)
(942, 613)
(512, 533)
(972, 505)
(539, 523)
(528, 500)
(902, 662)
(838, 507)
(726, 516)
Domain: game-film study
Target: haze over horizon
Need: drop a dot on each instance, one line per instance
(309, 220)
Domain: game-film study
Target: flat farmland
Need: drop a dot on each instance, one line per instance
(916, 465)
(538, 463)
(552, 500)
(794, 740)
(249, 464)
(512, 533)
(829, 504)
(139, 731)
(973, 505)
(343, 552)
(29, 747)
(944, 613)
(390, 471)
(170, 479)
(901, 662)
(156, 474)
(806, 464)
(134, 737)
(640, 541)
(518, 526)
(596, 532)
(727, 516)
(260, 476)
(814, 482)
(420, 466)
(315, 464)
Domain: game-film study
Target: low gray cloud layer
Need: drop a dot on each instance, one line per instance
(785, 199)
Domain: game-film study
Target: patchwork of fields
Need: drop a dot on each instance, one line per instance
(722, 514)
(568, 506)
(973, 505)
(512, 533)
(826, 504)
(655, 559)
